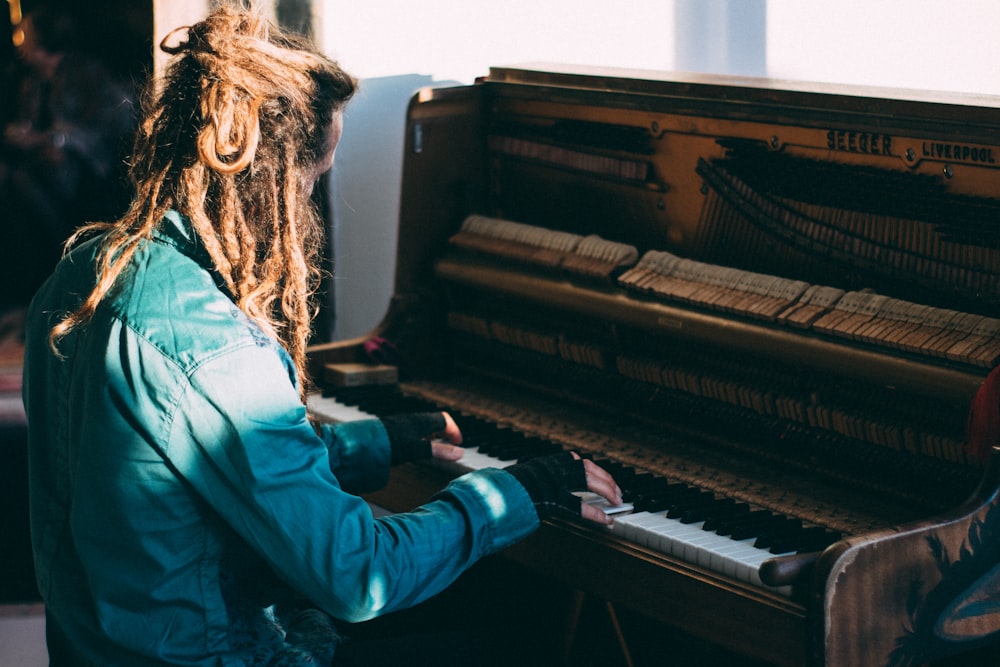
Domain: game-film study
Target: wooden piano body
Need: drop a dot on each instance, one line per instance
(790, 292)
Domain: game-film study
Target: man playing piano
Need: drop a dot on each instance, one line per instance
(184, 509)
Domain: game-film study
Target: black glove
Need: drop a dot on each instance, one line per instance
(410, 433)
(550, 481)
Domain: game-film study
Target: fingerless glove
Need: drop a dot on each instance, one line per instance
(410, 433)
(550, 481)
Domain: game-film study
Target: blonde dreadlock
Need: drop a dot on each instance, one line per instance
(232, 141)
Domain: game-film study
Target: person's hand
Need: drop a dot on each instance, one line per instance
(422, 435)
(603, 484)
(444, 445)
(551, 480)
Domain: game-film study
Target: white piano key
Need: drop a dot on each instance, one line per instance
(676, 538)
(330, 409)
(629, 527)
(726, 559)
(738, 559)
(473, 459)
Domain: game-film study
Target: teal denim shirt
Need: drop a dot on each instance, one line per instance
(179, 494)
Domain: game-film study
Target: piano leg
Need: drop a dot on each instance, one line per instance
(573, 621)
(613, 618)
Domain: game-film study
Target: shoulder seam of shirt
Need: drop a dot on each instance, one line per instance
(228, 348)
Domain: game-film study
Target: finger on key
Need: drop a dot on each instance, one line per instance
(602, 483)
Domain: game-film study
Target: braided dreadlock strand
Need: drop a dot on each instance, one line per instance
(231, 140)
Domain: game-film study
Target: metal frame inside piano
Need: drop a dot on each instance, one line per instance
(794, 295)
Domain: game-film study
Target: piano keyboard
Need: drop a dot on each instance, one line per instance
(674, 518)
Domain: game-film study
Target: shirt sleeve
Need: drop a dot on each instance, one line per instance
(359, 453)
(246, 446)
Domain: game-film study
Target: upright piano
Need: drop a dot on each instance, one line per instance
(766, 307)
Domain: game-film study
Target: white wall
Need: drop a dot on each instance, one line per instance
(921, 44)
(460, 39)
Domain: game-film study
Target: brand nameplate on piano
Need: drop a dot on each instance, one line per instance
(877, 143)
(939, 150)
(857, 141)
(669, 322)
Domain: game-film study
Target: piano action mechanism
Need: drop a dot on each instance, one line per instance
(781, 298)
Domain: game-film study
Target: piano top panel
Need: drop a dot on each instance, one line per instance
(950, 115)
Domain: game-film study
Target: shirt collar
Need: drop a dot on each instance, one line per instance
(176, 230)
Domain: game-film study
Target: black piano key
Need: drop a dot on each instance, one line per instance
(354, 395)
(778, 531)
(407, 404)
(663, 496)
(624, 474)
(719, 518)
(745, 527)
(812, 538)
(690, 502)
(641, 484)
(389, 403)
(539, 447)
(634, 479)
(630, 477)
(703, 512)
(473, 427)
(504, 451)
(651, 502)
